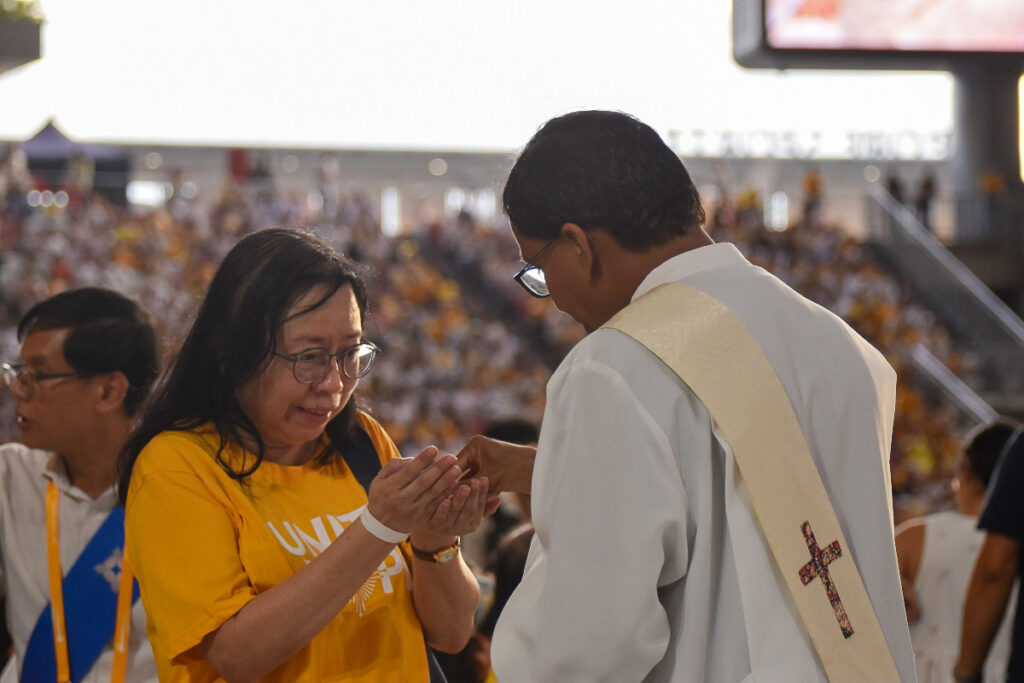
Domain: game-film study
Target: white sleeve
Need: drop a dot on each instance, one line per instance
(610, 513)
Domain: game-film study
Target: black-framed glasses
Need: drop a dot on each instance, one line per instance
(311, 366)
(531, 276)
(30, 379)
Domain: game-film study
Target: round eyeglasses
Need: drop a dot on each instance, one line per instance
(531, 276)
(17, 372)
(311, 366)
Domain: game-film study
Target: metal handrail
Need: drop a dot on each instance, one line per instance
(906, 220)
(954, 387)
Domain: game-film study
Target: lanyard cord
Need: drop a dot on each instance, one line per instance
(124, 599)
(124, 621)
(60, 638)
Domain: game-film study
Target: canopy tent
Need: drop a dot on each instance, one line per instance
(51, 154)
(51, 143)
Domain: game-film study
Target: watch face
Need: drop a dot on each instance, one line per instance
(446, 555)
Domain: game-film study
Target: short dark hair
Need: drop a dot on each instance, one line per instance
(108, 333)
(602, 170)
(984, 445)
(234, 336)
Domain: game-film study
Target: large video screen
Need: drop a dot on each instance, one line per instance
(982, 26)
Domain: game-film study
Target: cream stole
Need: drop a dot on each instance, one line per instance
(704, 343)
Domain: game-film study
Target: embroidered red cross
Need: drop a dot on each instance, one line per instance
(821, 558)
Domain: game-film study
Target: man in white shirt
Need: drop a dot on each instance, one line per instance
(648, 562)
(88, 359)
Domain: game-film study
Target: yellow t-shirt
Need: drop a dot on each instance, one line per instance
(203, 545)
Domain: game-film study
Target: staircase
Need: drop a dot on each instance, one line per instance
(981, 324)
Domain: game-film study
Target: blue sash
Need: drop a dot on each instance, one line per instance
(364, 462)
(90, 608)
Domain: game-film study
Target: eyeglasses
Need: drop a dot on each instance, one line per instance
(17, 372)
(531, 276)
(312, 365)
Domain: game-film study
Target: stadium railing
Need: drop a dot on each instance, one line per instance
(979, 320)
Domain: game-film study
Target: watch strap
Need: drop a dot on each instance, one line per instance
(439, 556)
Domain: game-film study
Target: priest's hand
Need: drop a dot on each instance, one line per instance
(911, 605)
(507, 466)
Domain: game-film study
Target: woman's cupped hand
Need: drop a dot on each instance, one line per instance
(427, 494)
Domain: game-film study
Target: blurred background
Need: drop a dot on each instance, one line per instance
(866, 152)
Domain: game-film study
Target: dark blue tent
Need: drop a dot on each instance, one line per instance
(51, 143)
(50, 151)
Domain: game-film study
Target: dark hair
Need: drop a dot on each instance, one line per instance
(233, 338)
(601, 169)
(983, 446)
(508, 564)
(108, 333)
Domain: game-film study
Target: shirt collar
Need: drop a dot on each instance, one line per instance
(56, 471)
(699, 260)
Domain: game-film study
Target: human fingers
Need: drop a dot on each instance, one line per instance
(436, 480)
(472, 454)
(389, 497)
(400, 472)
(491, 504)
(459, 498)
(446, 512)
(507, 466)
(436, 484)
(472, 511)
(439, 516)
(912, 606)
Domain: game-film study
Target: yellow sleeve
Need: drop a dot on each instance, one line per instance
(182, 533)
(386, 448)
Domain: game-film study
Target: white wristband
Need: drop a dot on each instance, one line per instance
(379, 529)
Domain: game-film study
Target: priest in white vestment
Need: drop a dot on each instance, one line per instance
(648, 562)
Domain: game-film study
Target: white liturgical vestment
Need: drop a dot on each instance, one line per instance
(648, 563)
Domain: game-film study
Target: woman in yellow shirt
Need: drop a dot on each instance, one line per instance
(258, 552)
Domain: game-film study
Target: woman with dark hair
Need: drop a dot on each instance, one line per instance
(937, 555)
(261, 546)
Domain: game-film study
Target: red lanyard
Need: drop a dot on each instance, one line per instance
(124, 598)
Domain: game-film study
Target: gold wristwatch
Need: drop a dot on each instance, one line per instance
(440, 556)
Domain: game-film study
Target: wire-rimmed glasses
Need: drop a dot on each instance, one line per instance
(311, 366)
(531, 276)
(30, 379)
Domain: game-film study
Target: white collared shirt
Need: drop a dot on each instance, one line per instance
(648, 564)
(24, 476)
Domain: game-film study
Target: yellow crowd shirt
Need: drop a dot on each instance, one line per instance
(203, 545)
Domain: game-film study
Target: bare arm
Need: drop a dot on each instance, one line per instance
(288, 616)
(446, 595)
(985, 603)
(294, 610)
(909, 546)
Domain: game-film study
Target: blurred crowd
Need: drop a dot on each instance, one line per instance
(446, 371)
(463, 346)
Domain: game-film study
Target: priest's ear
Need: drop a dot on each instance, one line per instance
(583, 253)
(593, 250)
